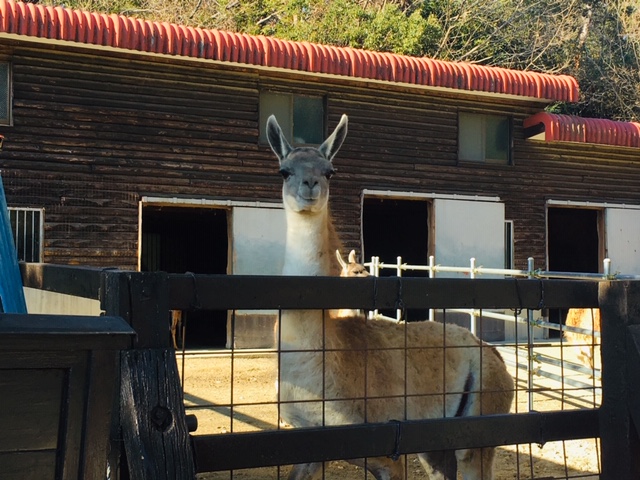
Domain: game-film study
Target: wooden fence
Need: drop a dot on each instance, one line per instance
(151, 389)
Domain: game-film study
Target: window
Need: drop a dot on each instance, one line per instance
(27, 228)
(300, 117)
(5, 93)
(484, 138)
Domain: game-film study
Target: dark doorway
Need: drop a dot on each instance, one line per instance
(184, 239)
(573, 246)
(392, 228)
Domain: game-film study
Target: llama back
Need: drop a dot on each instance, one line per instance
(385, 361)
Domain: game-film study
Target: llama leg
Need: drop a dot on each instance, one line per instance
(382, 468)
(477, 463)
(439, 465)
(305, 471)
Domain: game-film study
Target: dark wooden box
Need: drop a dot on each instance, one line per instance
(58, 378)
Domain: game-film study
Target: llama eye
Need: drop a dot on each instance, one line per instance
(285, 173)
(329, 174)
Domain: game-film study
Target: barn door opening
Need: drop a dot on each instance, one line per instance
(573, 245)
(187, 239)
(396, 227)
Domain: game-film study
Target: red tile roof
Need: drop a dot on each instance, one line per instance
(58, 23)
(568, 128)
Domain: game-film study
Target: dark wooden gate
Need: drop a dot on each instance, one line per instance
(144, 299)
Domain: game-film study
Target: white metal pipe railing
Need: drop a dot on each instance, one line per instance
(473, 271)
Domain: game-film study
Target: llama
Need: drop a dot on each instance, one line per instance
(588, 319)
(351, 269)
(336, 371)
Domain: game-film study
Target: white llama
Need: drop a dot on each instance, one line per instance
(348, 370)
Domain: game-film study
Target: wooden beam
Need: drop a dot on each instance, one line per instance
(153, 417)
(633, 368)
(71, 280)
(301, 445)
(151, 413)
(620, 445)
(222, 292)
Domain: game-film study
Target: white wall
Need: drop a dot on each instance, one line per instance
(41, 301)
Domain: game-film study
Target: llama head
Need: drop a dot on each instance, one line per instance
(306, 170)
(353, 268)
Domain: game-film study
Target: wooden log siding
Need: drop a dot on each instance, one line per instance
(95, 130)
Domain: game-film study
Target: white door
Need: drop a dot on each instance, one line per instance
(622, 227)
(465, 229)
(258, 240)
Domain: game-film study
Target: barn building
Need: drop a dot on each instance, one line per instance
(140, 145)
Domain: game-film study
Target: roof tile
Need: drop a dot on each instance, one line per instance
(58, 23)
(569, 128)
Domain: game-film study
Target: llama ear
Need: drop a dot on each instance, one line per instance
(331, 145)
(340, 260)
(276, 139)
(352, 256)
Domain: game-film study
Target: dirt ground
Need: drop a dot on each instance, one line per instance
(210, 392)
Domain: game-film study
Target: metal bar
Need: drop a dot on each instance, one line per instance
(283, 447)
(473, 271)
(432, 274)
(472, 276)
(530, 340)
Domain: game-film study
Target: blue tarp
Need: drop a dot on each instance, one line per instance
(11, 292)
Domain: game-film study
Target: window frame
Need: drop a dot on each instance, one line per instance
(483, 139)
(288, 127)
(509, 244)
(35, 229)
(8, 120)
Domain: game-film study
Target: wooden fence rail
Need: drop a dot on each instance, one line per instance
(144, 300)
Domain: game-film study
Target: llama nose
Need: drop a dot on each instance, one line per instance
(311, 182)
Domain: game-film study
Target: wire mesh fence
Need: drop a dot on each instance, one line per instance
(235, 390)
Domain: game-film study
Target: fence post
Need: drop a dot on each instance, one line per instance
(152, 416)
(620, 446)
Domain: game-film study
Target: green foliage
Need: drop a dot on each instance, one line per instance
(347, 23)
(328, 22)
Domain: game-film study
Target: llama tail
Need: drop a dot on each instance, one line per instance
(463, 406)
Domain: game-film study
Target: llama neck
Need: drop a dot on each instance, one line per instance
(310, 245)
(310, 251)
